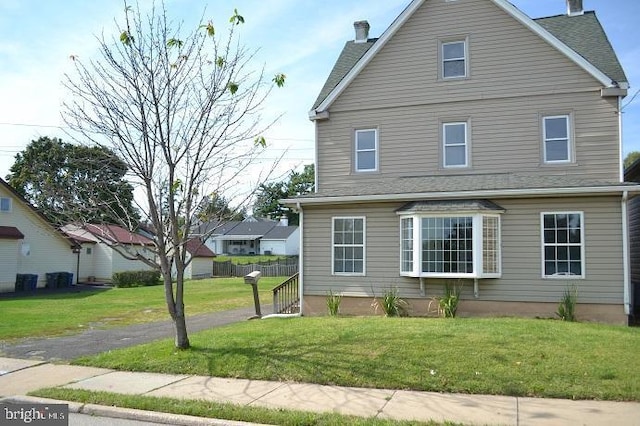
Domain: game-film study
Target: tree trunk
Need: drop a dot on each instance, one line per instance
(182, 339)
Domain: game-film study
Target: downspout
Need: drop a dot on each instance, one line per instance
(301, 256)
(625, 254)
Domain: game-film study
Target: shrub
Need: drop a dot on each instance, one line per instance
(448, 303)
(567, 306)
(391, 304)
(333, 303)
(136, 279)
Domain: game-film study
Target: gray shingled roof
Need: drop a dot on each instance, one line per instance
(461, 183)
(257, 229)
(351, 54)
(434, 206)
(279, 232)
(585, 35)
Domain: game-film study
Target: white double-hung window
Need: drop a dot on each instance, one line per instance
(562, 244)
(348, 245)
(454, 59)
(455, 146)
(366, 150)
(458, 239)
(556, 139)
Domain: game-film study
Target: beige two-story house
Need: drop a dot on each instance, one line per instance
(470, 144)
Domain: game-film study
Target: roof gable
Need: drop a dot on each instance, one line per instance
(35, 211)
(349, 65)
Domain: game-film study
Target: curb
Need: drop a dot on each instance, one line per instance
(128, 413)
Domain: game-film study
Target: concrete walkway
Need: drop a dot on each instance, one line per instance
(18, 377)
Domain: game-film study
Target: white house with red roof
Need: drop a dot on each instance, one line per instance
(107, 249)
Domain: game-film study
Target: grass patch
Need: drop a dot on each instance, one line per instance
(518, 357)
(63, 313)
(219, 410)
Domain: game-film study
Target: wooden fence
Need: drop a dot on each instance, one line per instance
(274, 268)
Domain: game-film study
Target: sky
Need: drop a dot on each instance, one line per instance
(300, 38)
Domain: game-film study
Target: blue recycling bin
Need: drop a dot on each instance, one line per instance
(30, 282)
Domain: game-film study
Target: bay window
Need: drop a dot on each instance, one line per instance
(460, 243)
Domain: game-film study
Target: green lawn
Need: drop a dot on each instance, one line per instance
(520, 357)
(56, 314)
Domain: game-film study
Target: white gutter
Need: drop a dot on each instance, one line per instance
(492, 193)
(626, 260)
(620, 139)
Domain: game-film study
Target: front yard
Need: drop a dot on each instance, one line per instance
(55, 314)
(505, 356)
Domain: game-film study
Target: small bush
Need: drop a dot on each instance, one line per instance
(333, 303)
(391, 304)
(567, 306)
(136, 279)
(448, 303)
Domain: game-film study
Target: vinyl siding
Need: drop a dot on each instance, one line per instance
(521, 253)
(49, 251)
(515, 79)
(634, 248)
(9, 250)
(199, 267)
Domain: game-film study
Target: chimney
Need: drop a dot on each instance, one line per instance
(284, 221)
(362, 31)
(574, 8)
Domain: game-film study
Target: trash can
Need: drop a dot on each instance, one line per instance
(52, 279)
(19, 282)
(65, 279)
(30, 282)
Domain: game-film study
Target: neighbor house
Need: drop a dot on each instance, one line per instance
(107, 249)
(200, 259)
(475, 147)
(29, 244)
(251, 236)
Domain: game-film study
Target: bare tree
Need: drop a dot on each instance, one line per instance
(183, 110)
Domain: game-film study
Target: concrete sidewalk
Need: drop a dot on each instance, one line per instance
(17, 377)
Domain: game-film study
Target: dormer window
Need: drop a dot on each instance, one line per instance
(5, 204)
(454, 59)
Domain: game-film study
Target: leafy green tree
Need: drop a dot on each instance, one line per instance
(631, 158)
(267, 200)
(216, 207)
(69, 182)
(181, 106)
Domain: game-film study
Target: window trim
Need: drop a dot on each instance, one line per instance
(466, 164)
(583, 263)
(570, 155)
(477, 245)
(10, 205)
(363, 245)
(356, 151)
(442, 60)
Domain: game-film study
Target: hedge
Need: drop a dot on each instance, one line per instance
(136, 279)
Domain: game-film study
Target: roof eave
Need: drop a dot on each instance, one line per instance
(492, 193)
